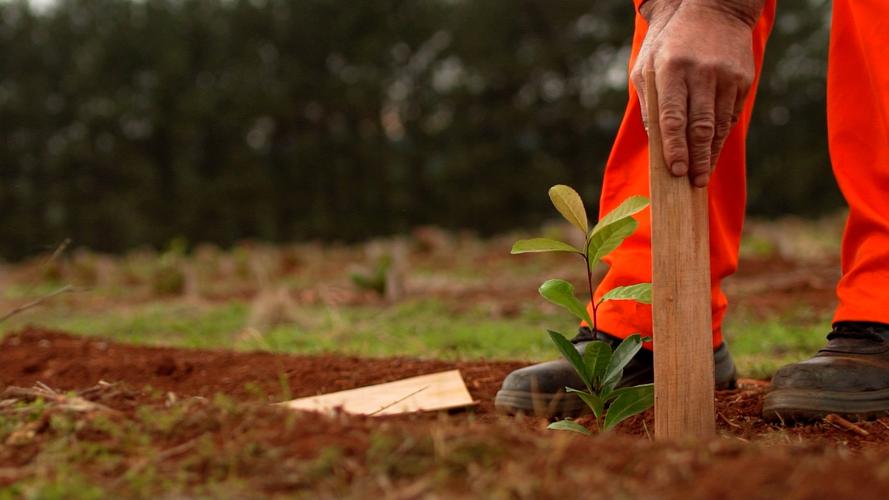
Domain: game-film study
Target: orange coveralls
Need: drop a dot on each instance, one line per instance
(858, 135)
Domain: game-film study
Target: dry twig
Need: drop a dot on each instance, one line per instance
(727, 421)
(842, 423)
(55, 398)
(36, 302)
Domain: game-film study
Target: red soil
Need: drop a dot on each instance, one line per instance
(804, 461)
(69, 363)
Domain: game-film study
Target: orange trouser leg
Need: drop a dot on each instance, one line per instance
(858, 131)
(626, 174)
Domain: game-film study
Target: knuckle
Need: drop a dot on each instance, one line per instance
(744, 80)
(673, 120)
(712, 68)
(728, 70)
(675, 149)
(702, 126)
(701, 131)
(701, 160)
(674, 62)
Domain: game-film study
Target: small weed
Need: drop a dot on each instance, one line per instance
(163, 423)
(62, 424)
(168, 280)
(284, 384)
(65, 485)
(324, 465)
(255, 391)
(226, 405)
(374, 278)
(407, 457)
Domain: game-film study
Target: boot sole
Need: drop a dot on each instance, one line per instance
(802, 404)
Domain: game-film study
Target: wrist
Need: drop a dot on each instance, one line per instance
(744, 11)
(651, 10)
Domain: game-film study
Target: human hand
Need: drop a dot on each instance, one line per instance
(702, 56)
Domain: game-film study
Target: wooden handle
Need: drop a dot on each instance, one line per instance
(681, 317)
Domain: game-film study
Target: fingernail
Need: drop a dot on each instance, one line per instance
(701, 180)
(680, 168)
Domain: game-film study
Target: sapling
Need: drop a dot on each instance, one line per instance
(600, 368)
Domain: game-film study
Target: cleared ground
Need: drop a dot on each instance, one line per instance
(179, 422)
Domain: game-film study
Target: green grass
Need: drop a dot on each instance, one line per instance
(761, 346)
(93, 456)
(423, 328)
(418, 328)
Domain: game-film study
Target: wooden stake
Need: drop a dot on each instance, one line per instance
(682, 325)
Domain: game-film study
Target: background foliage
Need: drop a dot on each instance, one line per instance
(135, 122)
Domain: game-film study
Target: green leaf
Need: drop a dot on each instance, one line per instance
(622, 355)
(536, 245)
(561, 293)
(569, 425)
(640, 292)
(569, 204)
(592, 400)
(617, 392)
(609, 238)
(569, 352)
(596, 356)
(629, 403)
(631, 206)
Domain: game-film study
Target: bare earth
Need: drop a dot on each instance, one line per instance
(477, 453)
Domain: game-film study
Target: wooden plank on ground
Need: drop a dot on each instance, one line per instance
(681, 316)
(437, 391)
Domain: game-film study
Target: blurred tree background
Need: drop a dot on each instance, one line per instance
(126, 123)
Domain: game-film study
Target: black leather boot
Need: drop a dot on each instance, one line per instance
(540, 389)
(850, 376)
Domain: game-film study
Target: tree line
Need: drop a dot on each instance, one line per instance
(127, 123)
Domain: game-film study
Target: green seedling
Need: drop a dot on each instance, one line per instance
(600, 368)
(374, 279)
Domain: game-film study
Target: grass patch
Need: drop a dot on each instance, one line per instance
(159, 323)
(422, 328)
(417, 328)
(761, 346)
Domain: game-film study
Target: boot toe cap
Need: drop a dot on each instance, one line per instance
(546, 378)
(833, 373)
